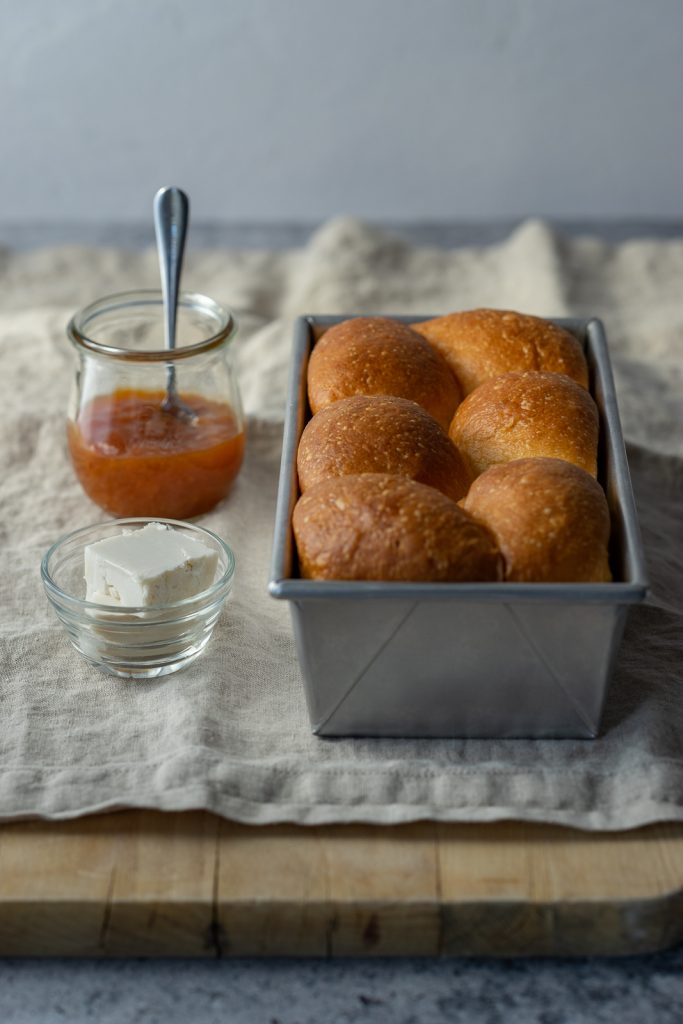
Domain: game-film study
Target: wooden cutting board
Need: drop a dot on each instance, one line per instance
(192, 884)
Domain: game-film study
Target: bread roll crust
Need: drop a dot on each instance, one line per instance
(525, 415)
(376, 526)
(380, 434)
(379, 356)
(550, 520)
(479, 344)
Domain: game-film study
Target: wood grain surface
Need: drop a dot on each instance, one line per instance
(192, 884)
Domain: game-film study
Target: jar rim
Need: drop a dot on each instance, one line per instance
(76, 328)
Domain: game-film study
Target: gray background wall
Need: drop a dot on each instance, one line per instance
(293, 110)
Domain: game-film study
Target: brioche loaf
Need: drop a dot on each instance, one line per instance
(549, 517)
(380, 478)
(482, 343)
(521, 415)
(378, 356)
(376, 526)
(380, 434)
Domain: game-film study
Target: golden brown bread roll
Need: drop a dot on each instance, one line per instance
(378, 356)
(380, 434)
(549, 517)
(376, 526)
(525, 415)
(482, 343)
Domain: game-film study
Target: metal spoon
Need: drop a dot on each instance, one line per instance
(171, 214)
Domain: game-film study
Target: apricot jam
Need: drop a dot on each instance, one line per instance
(135, 459)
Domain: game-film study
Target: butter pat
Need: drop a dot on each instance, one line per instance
(148, 567)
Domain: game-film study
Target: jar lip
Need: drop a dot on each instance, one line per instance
(77, 326)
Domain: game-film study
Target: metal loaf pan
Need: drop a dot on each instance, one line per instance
(460, 659)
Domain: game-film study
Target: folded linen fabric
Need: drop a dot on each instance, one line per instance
(230, 734)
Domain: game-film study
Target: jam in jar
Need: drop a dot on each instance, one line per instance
(133, 455)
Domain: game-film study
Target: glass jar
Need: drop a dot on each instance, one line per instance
(134, 452)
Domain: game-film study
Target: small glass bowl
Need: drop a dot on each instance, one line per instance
(138, 643)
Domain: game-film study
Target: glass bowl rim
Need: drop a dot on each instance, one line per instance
(76, 327)
(217, 589)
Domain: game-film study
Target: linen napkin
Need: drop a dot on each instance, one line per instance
(231, 734)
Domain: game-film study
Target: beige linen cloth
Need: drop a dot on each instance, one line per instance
(231, 733)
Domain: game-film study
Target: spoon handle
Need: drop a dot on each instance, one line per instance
(171, 214)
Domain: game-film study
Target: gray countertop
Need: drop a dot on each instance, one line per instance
(287, 236)
(633, 990)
